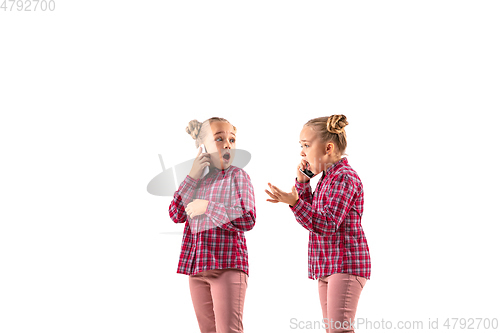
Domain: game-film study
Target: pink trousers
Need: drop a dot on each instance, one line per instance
(339, 295)
(218, 296)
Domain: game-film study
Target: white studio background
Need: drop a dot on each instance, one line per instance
(92, 92)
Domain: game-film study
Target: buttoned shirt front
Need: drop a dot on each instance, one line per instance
(332, 214)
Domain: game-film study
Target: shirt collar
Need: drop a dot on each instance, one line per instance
(216, 170)
(334, 167)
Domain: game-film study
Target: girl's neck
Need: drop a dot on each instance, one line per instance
(331, 162)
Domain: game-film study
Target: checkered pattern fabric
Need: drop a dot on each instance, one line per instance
(332, 214)
(215, 240)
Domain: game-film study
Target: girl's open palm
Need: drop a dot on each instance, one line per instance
(278, 195)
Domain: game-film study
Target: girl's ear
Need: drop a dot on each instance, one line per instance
(330, 148)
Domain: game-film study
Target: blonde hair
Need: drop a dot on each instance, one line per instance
(198, 131)
(331, 129)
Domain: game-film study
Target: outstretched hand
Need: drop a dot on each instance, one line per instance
(278, 195)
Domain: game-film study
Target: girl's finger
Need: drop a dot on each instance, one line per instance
(273, 188)
(270, 194)
(273, 201)
(278, 191)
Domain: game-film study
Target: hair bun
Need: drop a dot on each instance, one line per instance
(336, 123)
(193, 128)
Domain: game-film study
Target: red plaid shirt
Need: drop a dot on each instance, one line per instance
(215, 240)
(332, 214)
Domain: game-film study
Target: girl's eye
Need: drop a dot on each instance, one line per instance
(304, 145)
(220, 139)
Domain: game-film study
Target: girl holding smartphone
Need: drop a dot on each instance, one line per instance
(339, 256)
(219, 207)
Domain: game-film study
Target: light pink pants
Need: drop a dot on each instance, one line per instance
(218, 296)
(339, 295)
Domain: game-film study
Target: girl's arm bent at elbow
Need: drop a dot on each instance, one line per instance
(240, 214)
(326, 220)
(182, 197)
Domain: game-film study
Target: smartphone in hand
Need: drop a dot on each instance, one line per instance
(307, 173)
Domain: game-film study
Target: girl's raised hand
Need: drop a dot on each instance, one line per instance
(278, 195)
(301, 178)
(200, 162)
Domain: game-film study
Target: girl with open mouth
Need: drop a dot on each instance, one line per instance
(339, 256)
(219, 207)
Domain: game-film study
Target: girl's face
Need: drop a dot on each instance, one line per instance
(317, 153)
(219, 144)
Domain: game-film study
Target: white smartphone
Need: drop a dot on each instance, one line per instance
(203, 150)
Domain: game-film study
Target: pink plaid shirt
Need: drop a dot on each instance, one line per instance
(215, 240)
(332, 214)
